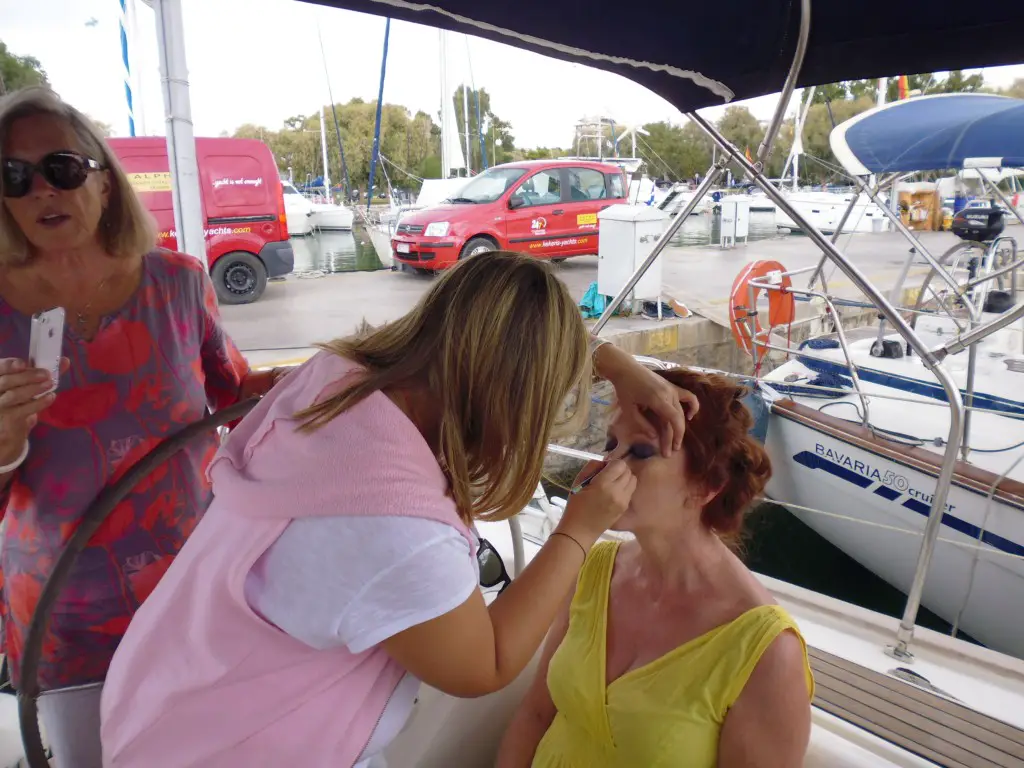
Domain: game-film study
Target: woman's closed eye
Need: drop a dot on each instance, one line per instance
(636, 450)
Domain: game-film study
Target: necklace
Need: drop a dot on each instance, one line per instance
(82, 315)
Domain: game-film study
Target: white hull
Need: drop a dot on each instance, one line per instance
(335, 217)
(818, 471)
(299, 223)
(678, 197)
(821, 469)
(824, 210)
(380, 237)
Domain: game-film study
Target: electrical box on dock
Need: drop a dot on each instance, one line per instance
(628, 235)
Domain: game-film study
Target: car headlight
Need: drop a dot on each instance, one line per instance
(436, 229)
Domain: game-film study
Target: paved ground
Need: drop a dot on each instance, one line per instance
(295, 313)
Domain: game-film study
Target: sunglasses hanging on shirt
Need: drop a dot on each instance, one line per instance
(492, 567)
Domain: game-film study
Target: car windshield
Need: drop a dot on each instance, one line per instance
(488, 186)
(289, 189)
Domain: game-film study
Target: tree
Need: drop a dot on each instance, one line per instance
(1016, 90)
(19, 71)
(497, 133)
(409, 143)
(105, 129)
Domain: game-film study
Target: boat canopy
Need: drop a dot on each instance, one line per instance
(933, 133)
(700, 54)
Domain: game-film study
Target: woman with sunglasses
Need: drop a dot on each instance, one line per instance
(335, 568)
(144, 355)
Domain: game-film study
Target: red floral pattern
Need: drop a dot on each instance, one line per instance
(154, 366)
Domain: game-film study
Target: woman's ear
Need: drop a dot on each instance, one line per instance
(709, 496)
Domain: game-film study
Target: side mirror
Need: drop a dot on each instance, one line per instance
(516, 201)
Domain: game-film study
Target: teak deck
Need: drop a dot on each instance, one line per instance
(913, 718)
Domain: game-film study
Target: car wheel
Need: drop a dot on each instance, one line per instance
(478, 245)
(239, 278)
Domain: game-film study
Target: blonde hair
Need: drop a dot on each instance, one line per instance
(126, 227)
(499, 345)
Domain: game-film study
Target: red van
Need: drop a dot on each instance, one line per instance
(544, 207)
(243, 208)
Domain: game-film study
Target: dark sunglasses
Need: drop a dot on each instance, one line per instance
(492, 567)
(64, 170)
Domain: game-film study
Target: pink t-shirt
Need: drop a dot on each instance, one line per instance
(200, 678)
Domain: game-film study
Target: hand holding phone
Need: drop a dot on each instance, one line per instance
(46, 343)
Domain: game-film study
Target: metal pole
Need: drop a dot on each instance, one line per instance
(126, 60)
(772, 131)
(465, 124)
(181, 145)
(323, 150)
(375, 152)
(443, 48)
(715, 172)
(932, 528)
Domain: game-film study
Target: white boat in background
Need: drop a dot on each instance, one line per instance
(298, 211)
(329, 216)
(825, 211)
(679, 196)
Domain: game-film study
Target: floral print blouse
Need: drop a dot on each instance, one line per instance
(153, 367)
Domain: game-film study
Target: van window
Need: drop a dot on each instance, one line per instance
(489, 185)
(544, 188)
(615, 185)
(236, 181)
(586, 184)
(150, 176)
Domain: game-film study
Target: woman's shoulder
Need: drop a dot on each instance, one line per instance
(174, 265)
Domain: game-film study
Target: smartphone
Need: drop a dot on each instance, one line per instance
(46, 344)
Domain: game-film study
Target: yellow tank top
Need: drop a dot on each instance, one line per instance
(665, 714)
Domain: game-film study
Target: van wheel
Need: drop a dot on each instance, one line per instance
(476, 246)
(239, 278)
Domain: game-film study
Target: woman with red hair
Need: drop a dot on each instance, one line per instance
(670, 652)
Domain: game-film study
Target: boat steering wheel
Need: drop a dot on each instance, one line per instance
(92, 519)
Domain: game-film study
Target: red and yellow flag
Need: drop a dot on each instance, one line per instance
(903, 86)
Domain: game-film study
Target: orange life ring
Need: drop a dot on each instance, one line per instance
(781, 304)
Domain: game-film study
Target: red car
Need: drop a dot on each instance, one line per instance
(544, 207)
(243, 209)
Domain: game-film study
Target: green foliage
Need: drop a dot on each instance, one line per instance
(411, 142)
(19, 71)
(497, 133)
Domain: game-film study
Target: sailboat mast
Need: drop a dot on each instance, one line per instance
(323, 149)
(445, 165)
(376, 128)
(334, 114)
(465, 123)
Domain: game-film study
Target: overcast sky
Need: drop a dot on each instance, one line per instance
(258, 61)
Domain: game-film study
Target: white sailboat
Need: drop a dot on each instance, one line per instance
(328, 215)
(858, 421)
(822, 208)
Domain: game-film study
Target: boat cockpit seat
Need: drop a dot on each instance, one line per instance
(444, 731)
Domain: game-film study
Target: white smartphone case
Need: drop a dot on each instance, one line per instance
(46, 343)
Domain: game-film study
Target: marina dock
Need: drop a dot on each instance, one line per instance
(296, 313)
